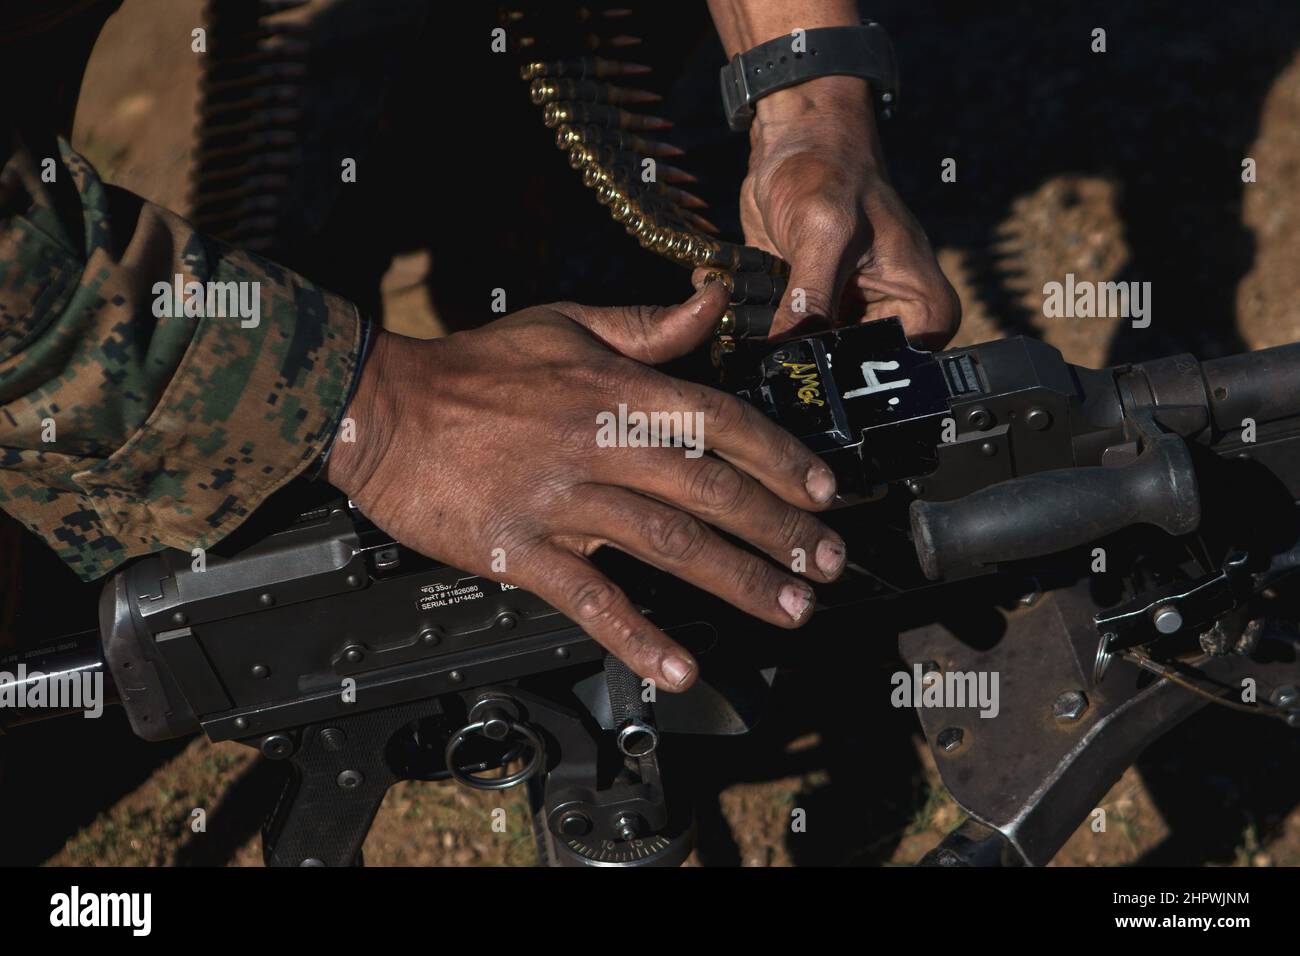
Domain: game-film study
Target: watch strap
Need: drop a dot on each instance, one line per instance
(792, 58)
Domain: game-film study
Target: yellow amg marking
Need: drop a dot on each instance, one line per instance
(810, 387)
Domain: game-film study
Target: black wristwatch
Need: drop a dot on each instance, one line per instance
(863, 51)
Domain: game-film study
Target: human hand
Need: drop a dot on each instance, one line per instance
(487, 439)
(817, 195)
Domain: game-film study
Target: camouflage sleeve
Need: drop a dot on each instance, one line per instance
(155, 385)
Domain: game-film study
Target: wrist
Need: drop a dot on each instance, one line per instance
(365, 426)
(834, 111)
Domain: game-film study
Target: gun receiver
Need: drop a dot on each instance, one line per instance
(1010, 452)
(358, 663)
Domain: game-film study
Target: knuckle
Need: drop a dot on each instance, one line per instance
(593, 599)
(576, 434)
(792, 528)
(674, 535)
(951, 311)
(816, 301)
(790, 458)
(752, 578)
(828, 220)
(603, 380)
(718, 488)
(727, 413)
(633, 644)
(516, 534)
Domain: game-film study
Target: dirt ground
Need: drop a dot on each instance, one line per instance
(1122, 166)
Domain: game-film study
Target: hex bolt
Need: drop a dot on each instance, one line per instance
(1070, 705)
(950, 738)
(1250, 636)
(1167, 619)
(350, 779)
(628, 826)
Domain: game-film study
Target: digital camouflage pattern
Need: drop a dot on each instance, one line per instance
(168, 431)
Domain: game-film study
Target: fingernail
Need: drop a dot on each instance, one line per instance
(830, 556)
(820, 483)
(723, 277)
(795, 600)
(678, 670)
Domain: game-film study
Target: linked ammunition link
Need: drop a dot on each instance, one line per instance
(607, 142)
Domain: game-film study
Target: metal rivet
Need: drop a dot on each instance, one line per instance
(354, 654)
(179, 617)
(277, 746)
(1039, 419)
(266, 599)
(429, 636)
(1167, 619)
(979, 418)
(260, 670)
(575, 824)
(456, 677)
(350, 779)
(562, 653)
(354, 581)
(241, 723)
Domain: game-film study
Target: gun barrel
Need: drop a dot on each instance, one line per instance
(1263, 386)
(65, 677)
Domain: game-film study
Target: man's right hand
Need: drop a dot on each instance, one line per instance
(486, 440)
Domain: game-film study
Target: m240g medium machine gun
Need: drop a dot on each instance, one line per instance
(1118, 545)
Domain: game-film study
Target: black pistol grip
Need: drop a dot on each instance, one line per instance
(1054, 511)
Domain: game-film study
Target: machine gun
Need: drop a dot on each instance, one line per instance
(1122, 543)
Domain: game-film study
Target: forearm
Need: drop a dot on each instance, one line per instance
(829, 107)
(744, 24)
(127, 425)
